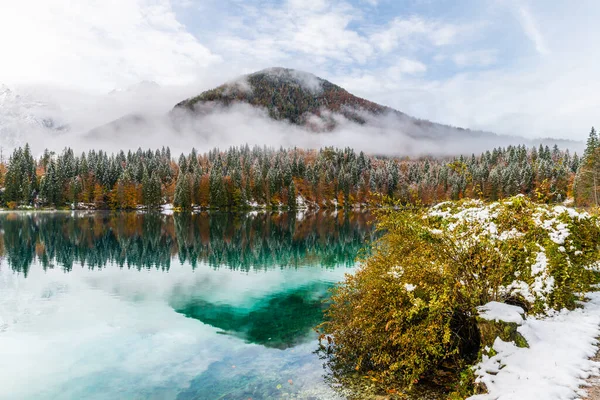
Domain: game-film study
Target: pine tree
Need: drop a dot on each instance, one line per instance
(287, 175)
(54, 192)
(154, 192)
(292, 196)
(216, 187)
(587, 181)
(146, 188)
(238, 175)
(182, 197)
(74, 190)
(20, 180)
(592, 143)
(574, 163)
(195, 185)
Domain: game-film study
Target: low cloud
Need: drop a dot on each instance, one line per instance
(307, 80)
(215, 126)
(143, 116)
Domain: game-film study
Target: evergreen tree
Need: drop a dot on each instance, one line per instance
(218, 197)
(587, 181)
(154, 193)
(292, 196)
(20, 181)
(146, 188)
(183, 198)
(241, 175)
(592, 143)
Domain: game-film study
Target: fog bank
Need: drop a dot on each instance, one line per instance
(143, 116)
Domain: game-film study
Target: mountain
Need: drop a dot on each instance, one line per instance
(288, 94)
(21, 116)
(235, 112)
(305, 99)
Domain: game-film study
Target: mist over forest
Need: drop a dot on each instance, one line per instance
(275, 107)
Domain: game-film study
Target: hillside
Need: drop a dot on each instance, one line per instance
(302, 98)
(290, 95)
(305, 99)
(243, 110)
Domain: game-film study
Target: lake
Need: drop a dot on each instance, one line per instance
(151, 306)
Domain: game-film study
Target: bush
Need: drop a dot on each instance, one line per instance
(409, 313)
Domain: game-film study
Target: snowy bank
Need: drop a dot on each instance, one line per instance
(544, 253)
(496, 311)
(440, 288)
(555, 365)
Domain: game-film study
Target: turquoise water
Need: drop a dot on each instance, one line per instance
(150, 306)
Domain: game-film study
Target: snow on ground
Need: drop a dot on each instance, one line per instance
(167, 209)
(300, 203)
(555, 365)
(495, 311)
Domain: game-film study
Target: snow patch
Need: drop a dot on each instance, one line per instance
(167, 209)
(300, 202)
(496, 311)
(409, 287)
(556, 363)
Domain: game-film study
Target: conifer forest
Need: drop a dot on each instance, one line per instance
(259, 177)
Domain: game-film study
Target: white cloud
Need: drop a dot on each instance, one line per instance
(534, 101)
(327, 36)
(415, 29)
(316, 30)
(408, 66)
(97, 45)
(530, 27)
(482, 58)
(512, 92)
(421, 64)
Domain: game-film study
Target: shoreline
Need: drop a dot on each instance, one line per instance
(592, 385)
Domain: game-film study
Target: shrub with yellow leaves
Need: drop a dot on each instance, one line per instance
(409, 312)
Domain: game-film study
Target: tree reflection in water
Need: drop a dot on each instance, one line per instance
(151, 240)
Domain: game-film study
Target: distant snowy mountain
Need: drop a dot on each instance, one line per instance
(22, 117)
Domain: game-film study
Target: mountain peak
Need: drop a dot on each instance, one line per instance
(288, 94)
(283, 75)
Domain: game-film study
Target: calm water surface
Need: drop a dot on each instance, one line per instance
(150, 306)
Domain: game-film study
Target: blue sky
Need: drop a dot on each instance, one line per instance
(480, 35)
(523, 67)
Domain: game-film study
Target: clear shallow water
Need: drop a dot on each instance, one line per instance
(134, 306)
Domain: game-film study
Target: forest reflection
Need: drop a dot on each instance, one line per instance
(152, 241)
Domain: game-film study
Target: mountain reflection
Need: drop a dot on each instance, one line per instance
(281, 320)
(267, 298)
(146, 241)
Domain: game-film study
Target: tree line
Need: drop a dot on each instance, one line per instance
(245, 177)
